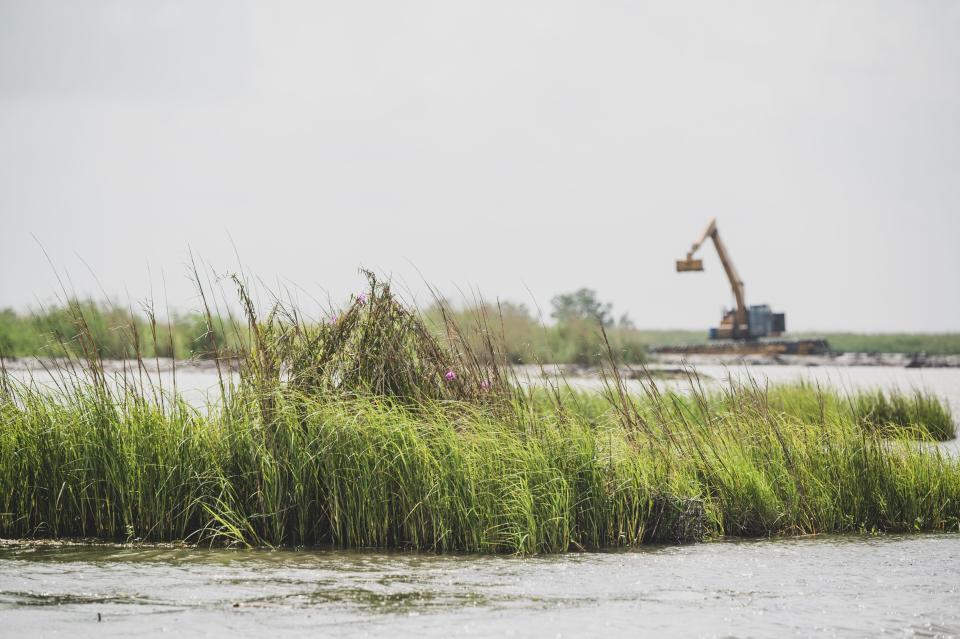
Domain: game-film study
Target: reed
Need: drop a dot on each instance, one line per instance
(354, 433)
(915, 415)
(116, 332)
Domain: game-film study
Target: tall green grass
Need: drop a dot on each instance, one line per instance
(371, 431)
(123, 333)
(114, 333)
(373, 472)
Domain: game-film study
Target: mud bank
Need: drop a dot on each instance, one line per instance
(895, 360)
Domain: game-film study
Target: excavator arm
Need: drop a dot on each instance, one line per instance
(736, 284)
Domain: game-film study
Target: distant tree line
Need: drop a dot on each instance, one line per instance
(115, 332)
(574, 336)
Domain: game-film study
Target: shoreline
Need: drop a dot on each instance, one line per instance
(659, 365)
(838, 360)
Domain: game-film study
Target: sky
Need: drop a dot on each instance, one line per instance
(516, 148)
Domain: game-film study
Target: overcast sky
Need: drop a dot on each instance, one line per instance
(519, 148)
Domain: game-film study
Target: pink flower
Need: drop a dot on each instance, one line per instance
(450, 375)
(485, 385)
(333, 319)
(362, 298)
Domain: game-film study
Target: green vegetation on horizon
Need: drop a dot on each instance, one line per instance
(872, 343)
(115, 333)
(370, 431)
(929, 343)
(119, 333)
(573, 339)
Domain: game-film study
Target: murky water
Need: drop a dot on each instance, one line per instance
(200, 384)
(828, 586)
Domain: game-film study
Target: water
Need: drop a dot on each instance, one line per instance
(830, 586)
(200, 384)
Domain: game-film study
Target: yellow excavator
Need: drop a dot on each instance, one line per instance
(743, 322)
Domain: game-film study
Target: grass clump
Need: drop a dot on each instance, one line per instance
(891, 413)
(376, 346)
(449, 475)
(918, 412)
(352, 473)
(372, 431)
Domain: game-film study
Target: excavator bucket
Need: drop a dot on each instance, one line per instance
(689, 265)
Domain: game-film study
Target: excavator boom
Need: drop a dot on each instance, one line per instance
(740, 322)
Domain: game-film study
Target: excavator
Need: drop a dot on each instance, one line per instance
(743, 323)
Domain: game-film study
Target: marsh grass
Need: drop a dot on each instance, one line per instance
(376, 346)
(353, 433)
(117, 332)
(917, 412)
